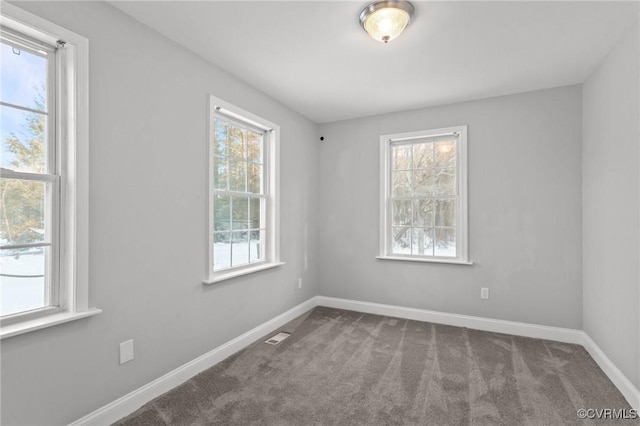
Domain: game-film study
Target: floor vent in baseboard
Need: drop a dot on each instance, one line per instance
(277, 338)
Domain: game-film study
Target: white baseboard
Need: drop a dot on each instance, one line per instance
(558, 334)
(628, 390)
(127, 404)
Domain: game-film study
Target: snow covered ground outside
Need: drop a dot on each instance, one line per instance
(236, 254)
(22, 284)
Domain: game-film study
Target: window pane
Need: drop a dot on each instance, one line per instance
(446, 213)
(22, 281)
(255, 245)
(254, 147)
(401, 184)
(220, 173)
(237, 175)
(401, 157)
(221, 250)
(236, 142)
(23, 136)
(401, 212)
(422, 241)
(446, 154)
(240, 212)
(23, 77)
(255, 213)
(445, 242)
(446, 182)
(240, 248)
(423, 212)
(220, 137)
(254, 178)
(23, 209)
(423, 155)
(401, 240)
(423, 180)
(221, 213)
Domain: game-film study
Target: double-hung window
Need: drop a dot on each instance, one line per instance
(423, 211)
(43, 174)
(243, 218)
(30, 183)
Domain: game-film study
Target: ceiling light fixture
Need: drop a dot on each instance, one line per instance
(385, 20)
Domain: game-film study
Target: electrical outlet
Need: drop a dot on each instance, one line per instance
(126, 351)
(299, 283)
(484, 293)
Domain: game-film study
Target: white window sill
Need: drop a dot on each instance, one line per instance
(425, 260)
(44, 322)
(227, 275)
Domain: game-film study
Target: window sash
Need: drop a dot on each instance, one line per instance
(50, 242)
(264, 195)
(50, 53)
(411, 227)
(50, 175)
(265, 157)
(388, 143)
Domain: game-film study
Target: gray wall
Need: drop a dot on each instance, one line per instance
(611, 200)
(524, 211)
(148, 215)
(148, 171)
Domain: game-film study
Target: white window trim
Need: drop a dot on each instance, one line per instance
(74, 169)
(272, 183)
(462, 234)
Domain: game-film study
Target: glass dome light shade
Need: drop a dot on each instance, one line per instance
(385, 20)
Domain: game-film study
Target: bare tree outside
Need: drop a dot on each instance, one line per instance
(423, 190)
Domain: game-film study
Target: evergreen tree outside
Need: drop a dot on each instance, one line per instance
(22, 201)
(25, 199)
(237, 169)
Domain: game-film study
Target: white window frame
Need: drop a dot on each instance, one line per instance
(462, 230)
(271, 172)
(70, 274)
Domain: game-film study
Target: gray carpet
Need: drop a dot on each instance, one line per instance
(347, 368)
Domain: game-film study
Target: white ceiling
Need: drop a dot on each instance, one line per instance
(313, 56)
